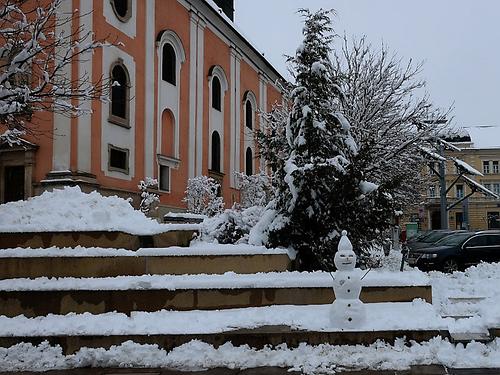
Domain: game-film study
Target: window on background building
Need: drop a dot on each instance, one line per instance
(459, 191)
(168, 73)
(493, 220)
(432, 191)
(216, 94)
(118, 159)
(487, 186)
(248, 162)
(248, 115)
(486, 167)
(496, 188)
(122, 9)
(164, 180)
(495, 166)
(120, 95)
(216, 152)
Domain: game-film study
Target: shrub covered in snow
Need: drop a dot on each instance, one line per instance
(149, 200)
(202, 196)
(255, 190)
(232, 226)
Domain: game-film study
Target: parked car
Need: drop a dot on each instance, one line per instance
(458, 251)
(430, 237)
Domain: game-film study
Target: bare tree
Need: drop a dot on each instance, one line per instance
(38, 42)
(390, 114)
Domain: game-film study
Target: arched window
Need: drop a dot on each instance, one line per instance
(168, 64)
(215, 152)
(249, 114)
(122, 9)
(120, 94)
(216, 94)
(248, 162)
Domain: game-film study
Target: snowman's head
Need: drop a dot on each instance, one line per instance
(345, 259)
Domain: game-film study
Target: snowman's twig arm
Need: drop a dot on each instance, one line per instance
(366, 274)
(331, 274)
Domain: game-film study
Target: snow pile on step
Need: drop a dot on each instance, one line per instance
(474, 292)
(308, 359)
(70, 209)
(229, 280)
(379, 317)
(196, 249)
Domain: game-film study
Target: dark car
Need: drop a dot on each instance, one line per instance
(458, 251)
(430, 237)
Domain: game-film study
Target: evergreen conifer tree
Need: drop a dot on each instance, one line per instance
(319, 192)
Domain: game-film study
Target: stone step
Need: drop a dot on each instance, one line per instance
(179, 235)
(466, 337)
(256, 338)
(110, 266)
(163, 294)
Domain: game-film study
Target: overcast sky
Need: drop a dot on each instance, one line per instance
(458, 40)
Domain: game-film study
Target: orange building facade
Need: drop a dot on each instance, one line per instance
(186, 91)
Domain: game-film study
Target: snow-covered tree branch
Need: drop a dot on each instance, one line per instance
(389, 120)
(38, 42)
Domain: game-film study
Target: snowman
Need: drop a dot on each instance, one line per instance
(347, 310)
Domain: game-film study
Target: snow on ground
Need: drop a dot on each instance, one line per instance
(70, 209)
(198, 356)
(379, 317)
(196, 249)
(228, 280)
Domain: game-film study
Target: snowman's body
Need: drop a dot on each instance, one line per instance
(347, 310)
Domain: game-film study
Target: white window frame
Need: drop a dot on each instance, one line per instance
(486, 167)
(171, 163)
(495, 167)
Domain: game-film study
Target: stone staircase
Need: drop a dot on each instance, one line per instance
(153, 280)
(466, 307)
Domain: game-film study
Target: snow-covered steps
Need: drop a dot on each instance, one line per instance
(41, 296)
(173, 235)
(256, 327)
(105, 262)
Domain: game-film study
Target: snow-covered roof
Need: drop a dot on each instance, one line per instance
(484, 136)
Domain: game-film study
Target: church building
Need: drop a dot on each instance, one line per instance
(185, 101)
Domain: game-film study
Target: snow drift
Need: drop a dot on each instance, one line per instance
(70, 209)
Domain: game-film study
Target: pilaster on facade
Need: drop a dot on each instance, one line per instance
(149, 90)
(62, 124)
(262, 109)
(200, 81)
(235, 114)
(193, 38)
(84, 149)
